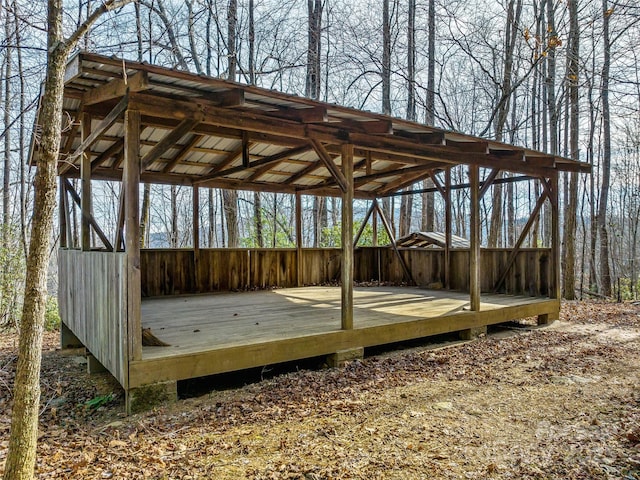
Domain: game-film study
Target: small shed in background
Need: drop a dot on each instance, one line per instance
(432, 239)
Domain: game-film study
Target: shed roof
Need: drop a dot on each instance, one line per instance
(199, 130)
(426, 239)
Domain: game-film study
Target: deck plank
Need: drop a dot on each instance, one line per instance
(197, 323)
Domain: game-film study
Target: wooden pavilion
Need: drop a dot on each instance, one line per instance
(134, 122)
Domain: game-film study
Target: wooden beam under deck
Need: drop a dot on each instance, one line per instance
(303, 322)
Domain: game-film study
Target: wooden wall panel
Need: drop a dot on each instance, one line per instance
(92, 295)
(171, 272)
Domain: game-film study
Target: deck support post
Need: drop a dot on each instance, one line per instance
(131, 189)
(94, 366)
(85, 175)
(447, 228)
(342, 357)
(474, 237)
(554, 284)
(146, 397)
(196, 237)
(299, 266)
(346, 272)
(68, 339)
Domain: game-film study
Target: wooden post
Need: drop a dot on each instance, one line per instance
(85, 175)
(447, 228)
(62, 214)
(554, 288)
(474, 238)
(347, 239)
(131, 186)
(196, 237)
(299, 266)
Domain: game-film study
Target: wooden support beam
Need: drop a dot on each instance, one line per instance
(480, 146)
(402, 182)
(523, 235)
(196, 236)
(103, 126)
(267, 163)
(474, 238)
(447, 228)
(228, 160)
(116, 88)
(394, 245)
(62, 215)
(324, 156)
(347, 238)
(168, 141)
(246, 158)
(554, 287)
(131, 189)
(305, 171)
(436, 182)
(431, 138)
(113, 151)
(497, 181)
(118, 244)
(299, 266)
(229, 98)
(363, 224)
(375, 127)
(184, 151)
(92, 221)
(71, 136)
(85, 188)
(490, 180)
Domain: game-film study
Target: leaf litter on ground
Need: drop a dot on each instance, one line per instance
(555, 402)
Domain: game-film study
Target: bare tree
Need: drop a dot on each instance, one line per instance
(605, 271)
(21, 454)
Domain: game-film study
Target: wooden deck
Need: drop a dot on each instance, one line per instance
(224, 332)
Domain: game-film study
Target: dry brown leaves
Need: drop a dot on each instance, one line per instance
(559, 402)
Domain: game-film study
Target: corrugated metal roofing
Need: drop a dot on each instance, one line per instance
(269, 124)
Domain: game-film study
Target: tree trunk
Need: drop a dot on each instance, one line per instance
(386, 59)
(411, 61)
(571, 209)
(430, 114)
(230, 199)
(21, 454)
(314, 44)
(605, 272)
(6, 170)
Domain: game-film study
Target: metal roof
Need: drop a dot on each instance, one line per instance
(199, 130)
(425, 239)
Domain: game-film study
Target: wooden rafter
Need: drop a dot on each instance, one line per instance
(184, 151)
(116, 88)
(489, 181)
(104, 125)
(265, 162)
(275, 160)
(324, 156)
(168, 141)
(115, 148)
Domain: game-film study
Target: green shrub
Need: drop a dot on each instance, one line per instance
(52, 315)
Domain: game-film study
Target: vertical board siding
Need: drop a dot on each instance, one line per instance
(92, 299)
(171, 272)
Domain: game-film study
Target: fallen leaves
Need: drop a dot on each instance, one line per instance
(559, 402)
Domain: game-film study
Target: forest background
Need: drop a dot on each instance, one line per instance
(556, 76)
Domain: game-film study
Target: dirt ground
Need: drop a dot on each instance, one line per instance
(555, 402)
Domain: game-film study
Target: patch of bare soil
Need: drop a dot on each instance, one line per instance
(558, 402)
